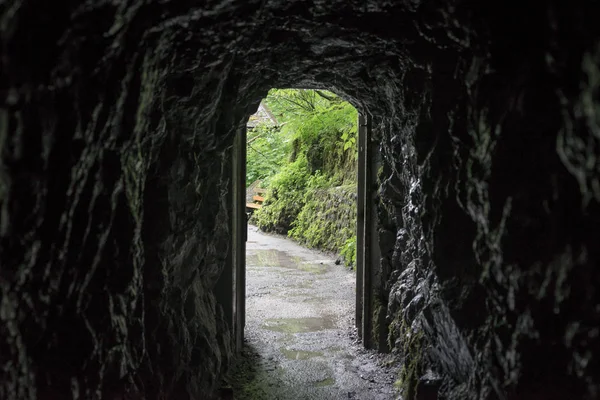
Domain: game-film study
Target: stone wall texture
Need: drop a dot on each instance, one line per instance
(115, 118)
(327, 220)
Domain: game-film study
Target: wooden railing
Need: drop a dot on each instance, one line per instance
(257, 199)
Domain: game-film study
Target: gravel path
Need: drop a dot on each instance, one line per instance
(300, 336)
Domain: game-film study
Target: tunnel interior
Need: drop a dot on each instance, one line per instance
(116, 124)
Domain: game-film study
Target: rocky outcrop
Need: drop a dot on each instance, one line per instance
(115, 118)
(327, 221)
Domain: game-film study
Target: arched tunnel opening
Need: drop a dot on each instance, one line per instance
(320, 191)
(303, 311)
(117, 122)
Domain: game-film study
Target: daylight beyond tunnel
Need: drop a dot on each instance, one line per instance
(302, 155)
(116, 122)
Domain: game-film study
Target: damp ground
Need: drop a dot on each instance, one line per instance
(300, 340)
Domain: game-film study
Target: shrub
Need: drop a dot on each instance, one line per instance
(285, 198)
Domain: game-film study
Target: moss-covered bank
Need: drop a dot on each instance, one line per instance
(322, 218)
(328, 221)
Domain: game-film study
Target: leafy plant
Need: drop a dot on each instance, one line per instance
(267, 149)
(322, 126)
(285, 198)
(302, 162)
(348, 251)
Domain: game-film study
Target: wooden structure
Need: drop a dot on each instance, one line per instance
(257, 199)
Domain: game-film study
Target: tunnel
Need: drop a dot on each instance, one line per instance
(117, 130)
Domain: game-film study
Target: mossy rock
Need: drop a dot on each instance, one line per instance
(413, 346)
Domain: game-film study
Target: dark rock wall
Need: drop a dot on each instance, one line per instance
(115, 118)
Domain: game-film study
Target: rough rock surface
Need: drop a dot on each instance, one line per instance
(301, 343)
(115, 118)
(328, 221)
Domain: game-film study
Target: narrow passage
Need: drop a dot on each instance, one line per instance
(300, 336)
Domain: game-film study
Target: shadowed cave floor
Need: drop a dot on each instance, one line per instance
(300, 337)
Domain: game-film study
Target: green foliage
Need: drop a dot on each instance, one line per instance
(328, 220)
(348, 251)
(323, 128)
(267, 149)
(317, 138)
(285, 198)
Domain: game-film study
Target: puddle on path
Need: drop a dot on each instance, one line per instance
(299, 354)
(277, 258)
(325, 382)
(298, 325)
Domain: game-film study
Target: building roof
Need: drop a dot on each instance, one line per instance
(262, 116)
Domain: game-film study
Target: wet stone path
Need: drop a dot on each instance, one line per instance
(300, 336)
